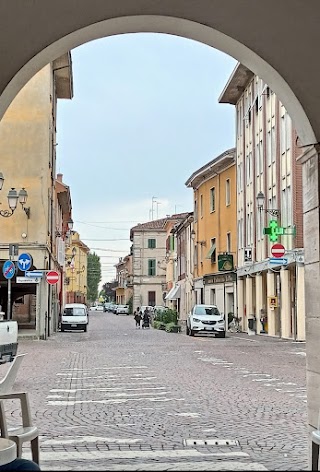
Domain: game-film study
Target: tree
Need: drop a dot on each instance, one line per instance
(94, 276)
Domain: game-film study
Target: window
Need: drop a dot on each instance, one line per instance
(151, 243)
(228, 243)
(273, 144)
(228, 192)
(151, 298)
(269, 149)
(195, 211)
(213, 296)
(283, 135)
(212, 199)
(212, 254)
(151, 267)
(201, 206)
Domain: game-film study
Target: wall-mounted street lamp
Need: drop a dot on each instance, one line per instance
(13, 198)
(260, 203)
(193, 236)
(67, 233)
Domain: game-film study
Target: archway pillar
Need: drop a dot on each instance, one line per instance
(311, 207)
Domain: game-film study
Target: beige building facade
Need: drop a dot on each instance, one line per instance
(124, 290)
(270, 289)
(76, 270)
(28, 136)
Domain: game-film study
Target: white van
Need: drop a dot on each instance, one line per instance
(74, 316)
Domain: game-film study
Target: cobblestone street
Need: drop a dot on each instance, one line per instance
(120, 398)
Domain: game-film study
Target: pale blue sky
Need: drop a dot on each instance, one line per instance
(145, 115)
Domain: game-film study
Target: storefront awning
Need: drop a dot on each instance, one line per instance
(213, 247)
(174, 293)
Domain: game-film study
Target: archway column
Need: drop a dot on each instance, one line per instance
(311, 181)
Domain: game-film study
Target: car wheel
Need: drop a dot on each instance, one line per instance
(221, 335)
(191, 332)
(62, 329)
(187, 331)
(86, 328)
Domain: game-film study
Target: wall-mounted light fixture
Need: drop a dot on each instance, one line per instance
(66, 233)
(13, 198)
(260, 204)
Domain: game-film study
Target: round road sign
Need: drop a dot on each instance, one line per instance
(278, 250)
(52, 277)
(8, 269)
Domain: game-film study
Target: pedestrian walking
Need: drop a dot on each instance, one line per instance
(137, 318)
(146, 319)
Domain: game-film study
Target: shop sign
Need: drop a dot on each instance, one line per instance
(220, 278)
(225, 262)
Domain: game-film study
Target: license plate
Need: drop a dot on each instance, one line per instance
(73, 326)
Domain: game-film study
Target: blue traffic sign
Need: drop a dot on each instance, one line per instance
(34, 273)
(8, 269)
(24, 261)
(278, 260)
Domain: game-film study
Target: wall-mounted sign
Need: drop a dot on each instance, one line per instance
(219, 278)
(225, 262)
(274, 231)
(273, 302)
(247, 254)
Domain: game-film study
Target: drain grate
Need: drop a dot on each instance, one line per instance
(210, 442)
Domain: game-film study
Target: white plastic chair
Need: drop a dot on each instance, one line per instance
(7, 382)
(25, 432)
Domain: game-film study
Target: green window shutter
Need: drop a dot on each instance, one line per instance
(151, 267)
(171, 242)
(151, 243)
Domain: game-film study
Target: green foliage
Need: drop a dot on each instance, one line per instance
(94, 276)
(167, 316)
(130, 304)
(167, 320)
(173, 328)
(159, 325)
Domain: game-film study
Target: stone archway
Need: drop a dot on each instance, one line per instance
(276, 40)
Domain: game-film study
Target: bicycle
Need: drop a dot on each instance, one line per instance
(234, 326)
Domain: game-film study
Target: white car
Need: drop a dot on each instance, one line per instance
(206, 319)
(122, 309)
(97, 308)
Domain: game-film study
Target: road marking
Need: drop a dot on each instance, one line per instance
(88, 439)
(172, 466)
(187, 415)
(100, 455)
(110, 401)
(103, 389)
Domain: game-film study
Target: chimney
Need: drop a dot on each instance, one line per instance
(59, 177)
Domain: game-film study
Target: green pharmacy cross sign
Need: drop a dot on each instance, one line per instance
(274, 231)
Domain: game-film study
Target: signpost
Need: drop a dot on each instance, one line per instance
(28, 280)
(8, 269)
(278, 250)
(52, 277)
(34, 273)
(24, 262)
(8, 272)
(278, 260)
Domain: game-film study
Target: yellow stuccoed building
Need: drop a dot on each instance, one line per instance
(215, 232)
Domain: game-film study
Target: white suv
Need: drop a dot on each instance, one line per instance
(205, 319)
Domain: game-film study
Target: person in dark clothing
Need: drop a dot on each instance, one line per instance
(137, 318)
(146, 319)
(20, 465)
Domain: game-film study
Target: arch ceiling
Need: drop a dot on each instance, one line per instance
(276, 40)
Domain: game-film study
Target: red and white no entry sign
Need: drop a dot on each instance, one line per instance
(52, 277)
(278, 250)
